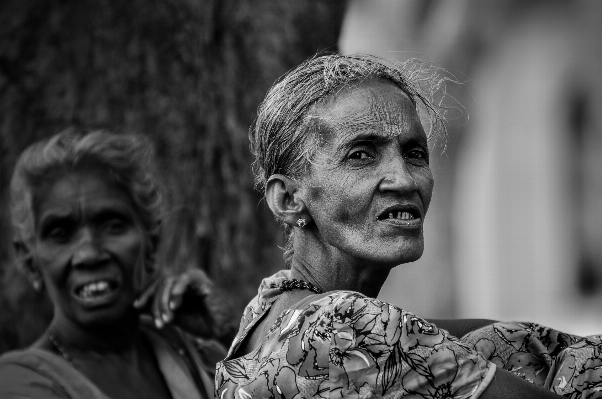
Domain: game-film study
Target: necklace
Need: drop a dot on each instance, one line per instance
(294, 284)
(58, 345)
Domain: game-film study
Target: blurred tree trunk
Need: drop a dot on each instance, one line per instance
(189, 74)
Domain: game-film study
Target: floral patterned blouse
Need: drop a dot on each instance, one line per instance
(343, 344)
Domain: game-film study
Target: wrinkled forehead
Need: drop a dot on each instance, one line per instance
(66, 189)
(376, 105)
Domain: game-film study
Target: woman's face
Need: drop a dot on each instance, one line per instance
(370, 185)
(89, 244)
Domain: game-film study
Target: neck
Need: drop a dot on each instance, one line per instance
(329, 269)
(119, 338)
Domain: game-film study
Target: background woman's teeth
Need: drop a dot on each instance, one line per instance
(93, 288)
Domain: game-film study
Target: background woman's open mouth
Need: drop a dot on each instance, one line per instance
(97, 292)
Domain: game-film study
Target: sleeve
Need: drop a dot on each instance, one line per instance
(21, 382)
(565, 364)
(577, 370)
(380, 350)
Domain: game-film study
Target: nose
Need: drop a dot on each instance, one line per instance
(397, 176)
(88, 251)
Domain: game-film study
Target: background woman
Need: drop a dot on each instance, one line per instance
(343, 158)
(86, 214)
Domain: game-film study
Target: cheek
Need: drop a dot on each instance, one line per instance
(315, 193)
(323, 203)
(426, 183)
(53, 261)
(339, 200)
(53, 264)
(129, 248)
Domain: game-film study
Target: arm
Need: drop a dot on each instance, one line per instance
(412, 358)
(439, 364)
(506, 385)
(563, 363)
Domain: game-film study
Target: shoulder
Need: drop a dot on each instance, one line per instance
(207, 351)
(399, 353)
(267, 293)
(27, 373)
(350, 344)
(343, 310)
(360, 312)
(342, 321)
(32, 359)
(370, 319)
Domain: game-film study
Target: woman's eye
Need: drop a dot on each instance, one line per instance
(359, 154)
(59, 234)
(114, 226)
(418, 155)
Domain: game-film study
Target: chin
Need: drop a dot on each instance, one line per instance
(106, 316)
(409, 254)
(395, 259)
(389, 253)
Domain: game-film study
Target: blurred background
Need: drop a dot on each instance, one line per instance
(514, 231)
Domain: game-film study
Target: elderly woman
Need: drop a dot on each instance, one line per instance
(86, 215)
(343, 159)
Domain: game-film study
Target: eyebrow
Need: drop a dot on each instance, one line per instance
(103, 211)
(364, 138)
(112, 212)
(50, 219)
(378, 139)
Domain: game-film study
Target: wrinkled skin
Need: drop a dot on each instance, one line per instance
(373, 159)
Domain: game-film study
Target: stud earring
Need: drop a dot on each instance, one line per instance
(37, 285)
(301, 222)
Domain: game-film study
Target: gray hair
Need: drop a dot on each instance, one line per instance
(285, 136)
(125, 158)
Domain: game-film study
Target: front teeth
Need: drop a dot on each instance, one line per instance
(401, 215)
(95, 288)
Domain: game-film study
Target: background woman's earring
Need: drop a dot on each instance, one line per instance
(37, 285)
(301, 222)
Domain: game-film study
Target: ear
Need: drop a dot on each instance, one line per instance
(282, 196)
(25, 258)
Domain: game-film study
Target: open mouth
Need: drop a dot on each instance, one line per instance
(404, 214)
(97, 290)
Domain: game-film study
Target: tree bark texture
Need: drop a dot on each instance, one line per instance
(189, 74)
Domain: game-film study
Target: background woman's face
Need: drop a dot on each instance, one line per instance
(89, 242)
(370, 186)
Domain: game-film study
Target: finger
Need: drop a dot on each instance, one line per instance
(177, 291)
(201, 282)
(157, 310)
(146, 294)
(163, 300)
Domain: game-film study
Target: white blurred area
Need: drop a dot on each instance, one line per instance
(514, 231)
